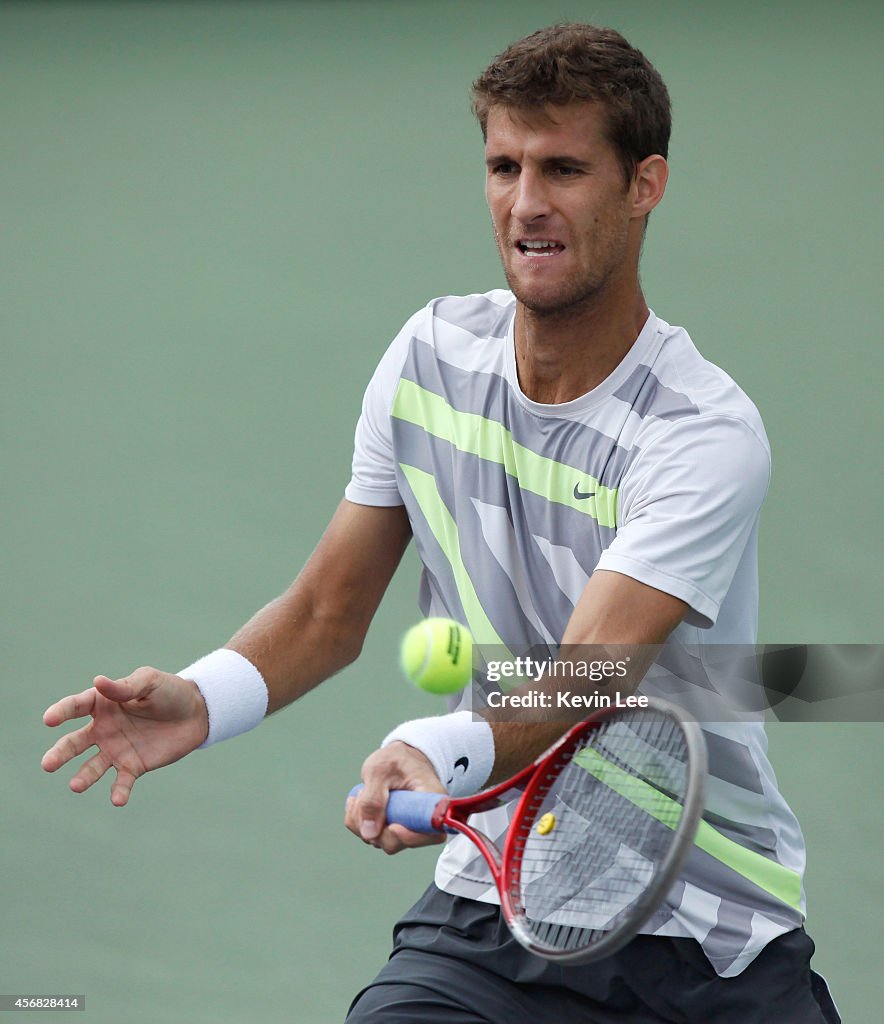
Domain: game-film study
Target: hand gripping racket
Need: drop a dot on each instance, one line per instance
(604, 822)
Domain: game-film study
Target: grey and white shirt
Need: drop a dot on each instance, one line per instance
(658, 473)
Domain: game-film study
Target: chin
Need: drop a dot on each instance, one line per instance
(550, 303)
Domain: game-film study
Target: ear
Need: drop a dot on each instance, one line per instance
(649, 184)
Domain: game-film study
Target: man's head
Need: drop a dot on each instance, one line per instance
(567, 64)
(576, 127)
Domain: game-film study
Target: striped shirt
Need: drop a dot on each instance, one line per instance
(658, 473)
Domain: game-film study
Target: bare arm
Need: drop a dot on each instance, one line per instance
(151, 718)
(318, 625)
(614, 610)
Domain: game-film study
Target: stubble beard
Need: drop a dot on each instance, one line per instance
(573, 297)
(576, 295)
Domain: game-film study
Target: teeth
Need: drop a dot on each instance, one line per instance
(539, 245)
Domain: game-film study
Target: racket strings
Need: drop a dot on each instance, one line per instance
(597, 834)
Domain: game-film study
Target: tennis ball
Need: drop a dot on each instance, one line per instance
(437, 655)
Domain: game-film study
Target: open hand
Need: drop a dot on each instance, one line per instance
(141, 722)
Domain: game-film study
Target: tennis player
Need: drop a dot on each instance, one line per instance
(571, 471)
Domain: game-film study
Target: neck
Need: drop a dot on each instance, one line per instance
(562, 355)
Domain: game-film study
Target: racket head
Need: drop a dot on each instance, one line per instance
(602, 831)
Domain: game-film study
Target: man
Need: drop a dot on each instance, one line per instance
(572, 472)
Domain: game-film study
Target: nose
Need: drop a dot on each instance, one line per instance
(531, 200)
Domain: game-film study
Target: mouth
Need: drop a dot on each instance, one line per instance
(539, 247)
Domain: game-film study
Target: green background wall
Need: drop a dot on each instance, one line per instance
(215, 216)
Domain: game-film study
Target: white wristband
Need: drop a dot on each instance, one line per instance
(234, 691)
(460, 748)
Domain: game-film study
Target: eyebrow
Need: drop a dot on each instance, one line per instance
(550, 161)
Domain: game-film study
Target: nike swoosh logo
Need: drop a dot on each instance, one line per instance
(461, 762)
(582, 494)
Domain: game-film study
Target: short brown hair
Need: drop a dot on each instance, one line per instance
(578, 63)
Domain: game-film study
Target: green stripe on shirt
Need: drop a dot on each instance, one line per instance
(444, 529)
(468, 432)
(767, 874)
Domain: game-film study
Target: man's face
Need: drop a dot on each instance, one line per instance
(560, 208)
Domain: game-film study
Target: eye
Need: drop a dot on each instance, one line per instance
(566, 171)
(502, 169)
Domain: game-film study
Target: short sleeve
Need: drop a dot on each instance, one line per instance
(686, 509)
(373, 479)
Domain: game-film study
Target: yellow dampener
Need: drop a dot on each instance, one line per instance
(546, 824)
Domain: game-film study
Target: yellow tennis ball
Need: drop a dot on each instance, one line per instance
(437, 655)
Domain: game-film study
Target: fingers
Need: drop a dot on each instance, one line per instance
(396, 766)
(396, 837)
(122, 787)
(89, 773)
(366, 820)
(139, 684)
(75, 706)
(371, 809)
(66, 749)
(119, 690)
(95, 768)
(392, 838)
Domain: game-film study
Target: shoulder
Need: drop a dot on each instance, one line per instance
(690, 419)
(464, 331)
(482, 314)
(455, 321)
(691, 388)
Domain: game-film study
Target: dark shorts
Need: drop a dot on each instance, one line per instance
(455, 962)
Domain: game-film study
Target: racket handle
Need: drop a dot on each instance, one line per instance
(411, 809)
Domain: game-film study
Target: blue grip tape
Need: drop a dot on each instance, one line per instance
(411, 809)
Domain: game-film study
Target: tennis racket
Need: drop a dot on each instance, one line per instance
(604, 822)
